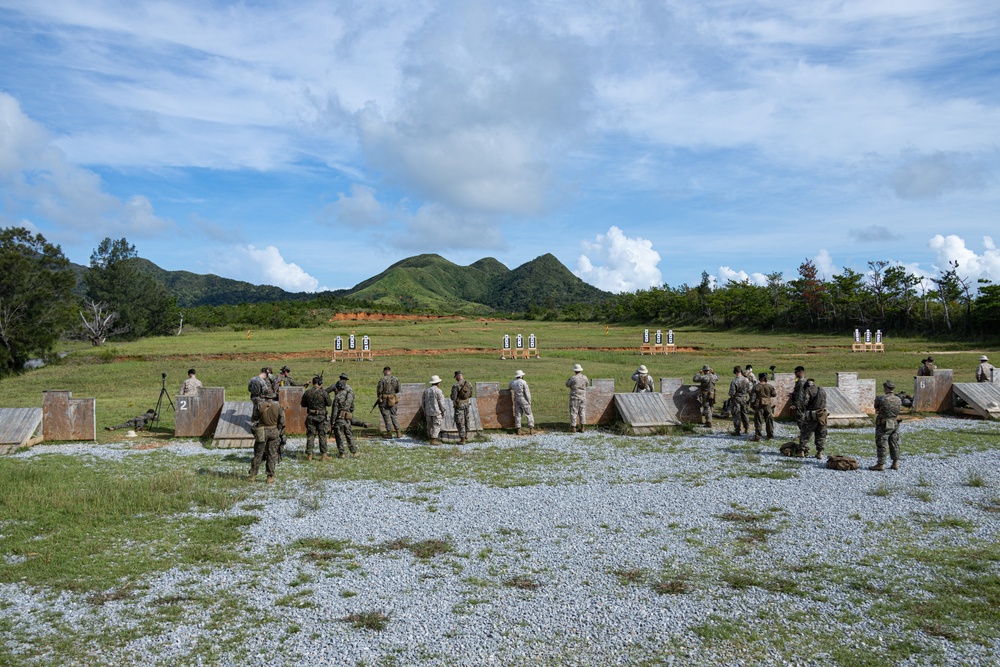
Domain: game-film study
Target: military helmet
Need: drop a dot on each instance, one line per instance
(343, 376)
(889, 384)
(286, 369)
(577, 368)
(317, 380)
(799, 368)
(519, 374)
(706, 367)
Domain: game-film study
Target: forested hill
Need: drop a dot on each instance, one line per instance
(422, 282)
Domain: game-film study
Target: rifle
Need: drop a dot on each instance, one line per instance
(374, 406)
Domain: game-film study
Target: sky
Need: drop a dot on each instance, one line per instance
(310, 144)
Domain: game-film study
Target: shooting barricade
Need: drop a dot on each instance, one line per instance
(197, 415)
(68, 418)
(939, 393)
(19, 428)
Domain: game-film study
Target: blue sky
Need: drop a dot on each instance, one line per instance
(310, 145)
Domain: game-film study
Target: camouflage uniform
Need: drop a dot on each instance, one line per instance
(259, 388)
(137, 423)
(887, 408)
(643, 382)
(706, 380)
(797, 391)
(461, 393)
(984, 372)
(812, 410)
(286, 380)
(387, 388)
(926, 369)
(315, 400)
(190, 387)
(578, 384)
(432, 402)
(268, 419)
(343, 413)
(739, 394)
(761, 400)
(521, 394)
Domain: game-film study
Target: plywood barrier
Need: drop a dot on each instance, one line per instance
(18, 428)
(496, 405)
(933, 393)
(784, 384)
(644, 413)
(981, 398)
(600, 402)
(842, 411)
(860, 392)
(233, 429)
(683, 399)
(197, 415)
(408, 406)
(68, 418)
(290, 399)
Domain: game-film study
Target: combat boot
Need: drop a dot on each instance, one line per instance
(531, 431)
(397, 434)
(387, 436)
(707, 424)
(756, 438)
(519, 432)
(270, 479)
(462, 441)
(819, 455)
(356, 454)
(252, 477)
(326, 457)
(435, 441)
(309, 456)
(879, 467)
(340, 455)
(895, 465)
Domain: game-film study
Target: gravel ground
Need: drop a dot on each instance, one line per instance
(771, 570)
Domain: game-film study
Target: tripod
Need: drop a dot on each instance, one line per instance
(159, 401)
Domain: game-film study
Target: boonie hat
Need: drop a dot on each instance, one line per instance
(435, 379)
(519, 374)
(577, 368)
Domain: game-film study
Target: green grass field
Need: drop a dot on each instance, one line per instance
(125, 377)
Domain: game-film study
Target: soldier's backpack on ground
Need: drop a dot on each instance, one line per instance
(841, 463)
(790, 448)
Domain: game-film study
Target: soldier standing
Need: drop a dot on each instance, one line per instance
(387, 390)
(761, 399)
(887, 408)
(812, 411)
(521, 394)
(432, 402)
(642, 380)
(343, 415)
(706, 380)
(268, 418)
(190, 386)
(739, 394)
(258, 387)
(800, 385)
(984, 372)
(927, 367)
(461, 395)
(285, 379)
(750, 375)
(577, 384)
(316, 401)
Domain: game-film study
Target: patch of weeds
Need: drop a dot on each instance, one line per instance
(991, 504)
(252, 507)
(881, 491)
(974, 479)
(465, 606)
(628, 576)
(717, 628)
(932, 523)
(301, 578)
(423, 549)
(347, 594)
(121, 593)
(298, 600)
(748, 579)
(677, 586)
(479, 582)
(367, 620)
(923, 481)
(922, 494)
(523, 582)
(173, 599)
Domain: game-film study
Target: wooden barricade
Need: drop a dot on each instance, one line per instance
(784, 384)
(18, 428)
(408, 405)
(933, 393)
(683, 398)
(197, 415)
(68, 418)
(233, 429)
(861, 392)
(601, 402)
(290, 399)
(496, 405)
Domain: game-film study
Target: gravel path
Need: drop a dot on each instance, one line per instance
(767, 561)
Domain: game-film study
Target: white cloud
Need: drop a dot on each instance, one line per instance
(971, 266)
(37, 178)
(726, 274)
(825, 268)
(623, 264)
(266, 266)
(434, 227)
(929, 176)
(358, 209)
(873, 234)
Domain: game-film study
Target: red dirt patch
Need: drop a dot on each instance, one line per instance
(341, 317)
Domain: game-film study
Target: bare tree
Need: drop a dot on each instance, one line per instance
(99, 323)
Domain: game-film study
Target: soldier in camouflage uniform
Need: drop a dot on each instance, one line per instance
(316, 401)
(432, 402)
(190, 386)
(761, 398)
(387, 390)
(750, 375)
(267, 419)
(643, 383)
(706, 380)
(984, 371)
(739, 395)
(259, 386)
(521, 395)
(138, 423)
(887, 408)
(343, 415)
(461, 397)
(800, 385)
(927, 367)
(577, 384)
(812, 411)
(285, 379)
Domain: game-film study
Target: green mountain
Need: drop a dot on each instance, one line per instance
(427, 282)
